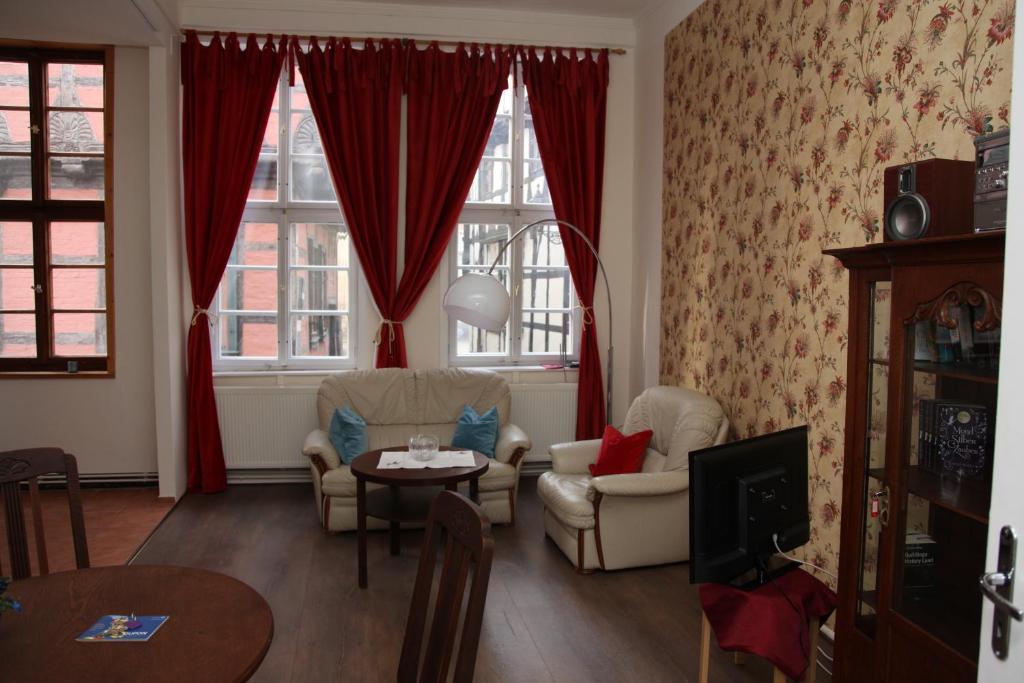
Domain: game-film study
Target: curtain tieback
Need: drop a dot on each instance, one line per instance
(587, 317)
(391, 333)
(199, 310)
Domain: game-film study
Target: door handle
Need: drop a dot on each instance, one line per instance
(997, 586)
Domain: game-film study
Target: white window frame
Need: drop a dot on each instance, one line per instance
(284, 212)
(516, 216)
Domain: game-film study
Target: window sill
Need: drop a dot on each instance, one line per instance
(273, 372)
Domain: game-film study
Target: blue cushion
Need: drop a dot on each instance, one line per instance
(477, 432)
(348, 434)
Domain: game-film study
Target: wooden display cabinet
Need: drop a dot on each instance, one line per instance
(923, 374)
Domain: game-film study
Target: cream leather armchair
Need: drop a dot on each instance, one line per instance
(397, 404)
(632, 520)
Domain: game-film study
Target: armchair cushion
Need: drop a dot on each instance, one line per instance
(317, 443)
(348, 434)
(477, 432)
(339, 482)
(565, 495)
(620, 454)
(575, 456)
(640, 484)
(510, 439)
(499, 476)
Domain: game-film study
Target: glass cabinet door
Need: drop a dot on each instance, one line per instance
(952, 361)
(874, 491)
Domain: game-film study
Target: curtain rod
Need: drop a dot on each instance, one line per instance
(444, 43)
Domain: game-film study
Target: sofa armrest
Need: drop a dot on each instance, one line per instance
(573, 457)
(512, 445)
(639, 484)
(319, 447)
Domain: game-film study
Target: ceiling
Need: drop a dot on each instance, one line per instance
(114, 22)
(624, 9)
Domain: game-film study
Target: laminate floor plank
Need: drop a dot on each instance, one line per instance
(543, 622)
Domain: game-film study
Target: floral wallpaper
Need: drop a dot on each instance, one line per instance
(780, 118)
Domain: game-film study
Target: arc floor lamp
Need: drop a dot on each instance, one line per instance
(482, 301)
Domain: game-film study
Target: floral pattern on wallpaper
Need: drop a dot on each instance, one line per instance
(780, 118)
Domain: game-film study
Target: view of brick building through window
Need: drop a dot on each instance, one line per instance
(73, 159)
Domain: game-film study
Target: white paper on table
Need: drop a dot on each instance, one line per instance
(402, 460)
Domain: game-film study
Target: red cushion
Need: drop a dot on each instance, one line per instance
(621, 454)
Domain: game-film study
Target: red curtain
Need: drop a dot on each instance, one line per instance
(228, 93)
(356, 98)
(452, 100)
(567, 99)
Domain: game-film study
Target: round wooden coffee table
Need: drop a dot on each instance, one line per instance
(405, 499)
(219, 628)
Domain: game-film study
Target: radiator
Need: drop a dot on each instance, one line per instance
(262, 428)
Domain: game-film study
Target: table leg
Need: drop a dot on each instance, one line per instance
(778, 676)
(453, 487)
(812, 666)
(361, 529)
(393, 527)
(705, 648)
(474, 490)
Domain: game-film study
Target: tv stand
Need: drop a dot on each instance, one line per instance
(763, 573)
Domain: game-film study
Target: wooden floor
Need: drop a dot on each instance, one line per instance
(543, 621)
(117, 521)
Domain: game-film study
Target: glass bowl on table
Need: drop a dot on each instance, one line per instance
(423, 447)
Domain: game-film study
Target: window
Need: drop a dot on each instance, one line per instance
(56, 279)
(509, 192)
(286, 297)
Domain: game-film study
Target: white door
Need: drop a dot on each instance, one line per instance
(1008, 474)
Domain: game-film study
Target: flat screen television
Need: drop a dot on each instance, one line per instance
(741, 495)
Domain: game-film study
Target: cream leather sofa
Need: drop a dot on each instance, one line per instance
(397, 404)
(632, 520)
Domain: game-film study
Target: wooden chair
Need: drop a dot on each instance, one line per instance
(26, 465)
(466, 536)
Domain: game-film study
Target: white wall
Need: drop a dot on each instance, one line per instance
(651, 29)
(107, 423)
(424, 328)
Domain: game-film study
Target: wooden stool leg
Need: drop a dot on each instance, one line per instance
(778, 676)
(705, 648)
(812, 665)
(739, 658)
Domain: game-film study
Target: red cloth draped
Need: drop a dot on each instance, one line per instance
(568, 98)
(452, 100)
(356, 98)
(770, 621)
(228, 93)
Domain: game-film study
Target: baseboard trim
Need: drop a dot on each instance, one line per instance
(535, 468)
(282, 475)
(102, 480)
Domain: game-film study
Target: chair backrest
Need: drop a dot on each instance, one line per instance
(467, 541)
(27, 465)
(682, 420)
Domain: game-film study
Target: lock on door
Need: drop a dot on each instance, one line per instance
(880, 505)
(997, 586)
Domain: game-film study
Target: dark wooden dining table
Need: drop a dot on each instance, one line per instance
(219, 628)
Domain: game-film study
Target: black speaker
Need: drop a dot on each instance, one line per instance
(929, 199)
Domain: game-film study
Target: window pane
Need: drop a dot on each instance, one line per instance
(17, 335)
(542, 246)
(319, 290)
(546, 332)
(319, 244)
(535, 186)
(248, 289)
(264, 180)
(255, 245)
(79, 288)
(76, 131)
(15, 243)
(76, 178)
(248, 336)
(74, 85)
(547, 288)
(14, 84)
(479, 243)
(271, 135)
(319, 336)
(16, 292)
(15, 134)
(15, 177)
(80, 334)
(493, 182)
(311, 180)
(74, 243)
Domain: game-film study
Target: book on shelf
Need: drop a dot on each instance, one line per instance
(962, 343)
(953, 437)
(918, 560)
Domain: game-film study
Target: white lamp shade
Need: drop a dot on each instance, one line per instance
(478, 300)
